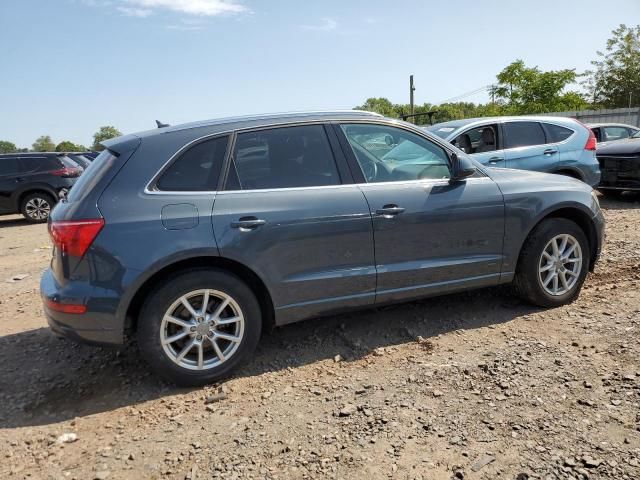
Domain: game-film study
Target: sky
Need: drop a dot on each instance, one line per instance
(71, 66)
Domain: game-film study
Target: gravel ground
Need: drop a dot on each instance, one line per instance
(470, 386)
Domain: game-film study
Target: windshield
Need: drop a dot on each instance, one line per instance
(441, 131)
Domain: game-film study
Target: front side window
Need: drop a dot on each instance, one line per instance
(286, 157)
(389, 154)
(615, 133)
(523, 134)
(197, 169)
(478, 139)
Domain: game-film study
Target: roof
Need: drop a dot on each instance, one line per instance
(611, 124)
(454, 125)
(246, 121)
(31, 154)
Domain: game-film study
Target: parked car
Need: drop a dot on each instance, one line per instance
(30, 183)
(610, 132)
(545, 144)
(193, 238)
(80, 158)
(620, 166)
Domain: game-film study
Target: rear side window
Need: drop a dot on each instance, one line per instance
(556, 133)
(197, 169)
(523, 134)
(9, 166)
(285, 157)
(30, 164)
(615, 133)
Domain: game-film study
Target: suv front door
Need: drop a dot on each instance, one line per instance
(9, 172)
(293, 214)
(486, 144)
(431, 235)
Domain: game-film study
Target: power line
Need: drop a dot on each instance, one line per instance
(465, 95)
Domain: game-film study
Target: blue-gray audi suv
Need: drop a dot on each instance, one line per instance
(193, 238)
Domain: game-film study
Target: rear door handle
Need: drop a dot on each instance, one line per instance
(494, 160)
(550, 151)
(248, 223)
(389, 211)
(20, 179)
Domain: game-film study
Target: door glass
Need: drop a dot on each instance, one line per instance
(478, 140)
(29, 164)
(8, 166)
(286, 157)
(523, 134)
(197, 169)
(388, 154)
(615, 133)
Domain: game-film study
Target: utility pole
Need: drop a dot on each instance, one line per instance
(411, 90)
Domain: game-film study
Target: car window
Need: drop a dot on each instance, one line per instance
(9, 165)
(286, 157)
(197, 169)
(478, 139)
(389, 154)
(556, 133)
(615, 133)
(523, 134)
(30, 164)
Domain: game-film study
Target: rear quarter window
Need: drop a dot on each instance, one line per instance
(197, 169)
(556, 133)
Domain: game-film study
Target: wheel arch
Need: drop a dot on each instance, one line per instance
(255, 283)
(20, 195)
(579, 217)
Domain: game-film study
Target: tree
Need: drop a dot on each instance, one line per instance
(615, 80)
(526, 90)
(67, 146)
(7, 147)
(43, 144)
(105, 133)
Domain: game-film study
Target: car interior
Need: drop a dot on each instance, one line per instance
(478, 140)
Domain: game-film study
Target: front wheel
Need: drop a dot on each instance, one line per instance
(553, 263)
(196, 328)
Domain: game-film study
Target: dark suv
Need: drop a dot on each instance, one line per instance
(30, 183)
(192, 238)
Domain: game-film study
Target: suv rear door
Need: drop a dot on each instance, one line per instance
(290, 210)
(526, 147)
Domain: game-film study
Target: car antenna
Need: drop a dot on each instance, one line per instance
(161, 125)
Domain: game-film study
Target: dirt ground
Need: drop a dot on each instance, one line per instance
(470, 386)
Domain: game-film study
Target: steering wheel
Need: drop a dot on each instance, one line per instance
(369, 168)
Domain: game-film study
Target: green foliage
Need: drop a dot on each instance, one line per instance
(526, 90)
(67, 146)
(615, 80)
(105, 133)
(43, 144)
(520, 90)
(7, 147)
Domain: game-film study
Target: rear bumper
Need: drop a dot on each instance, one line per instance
(97, 326)
(600, 226)
(620, 173)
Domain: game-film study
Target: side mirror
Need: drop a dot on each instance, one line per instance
(462, 168)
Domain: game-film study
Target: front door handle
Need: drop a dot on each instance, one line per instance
(495, 160)
(389, 211)
(550, 151)
(248, 223)
(20, 179)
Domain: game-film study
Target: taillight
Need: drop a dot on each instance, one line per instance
(67, 172)
(592, 142)
(74, 237)
(65, 307)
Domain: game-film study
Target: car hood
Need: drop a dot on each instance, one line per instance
(620, 147)
(508, 179)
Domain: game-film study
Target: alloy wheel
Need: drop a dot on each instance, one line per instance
(38, 208)
(202, 329)
(560, 265)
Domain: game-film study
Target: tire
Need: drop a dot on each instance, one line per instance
(213, 365)
(36, 207)
(529, 279)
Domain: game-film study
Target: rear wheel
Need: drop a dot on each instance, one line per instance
(36, 207)
(196, 328)
(553, 263)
